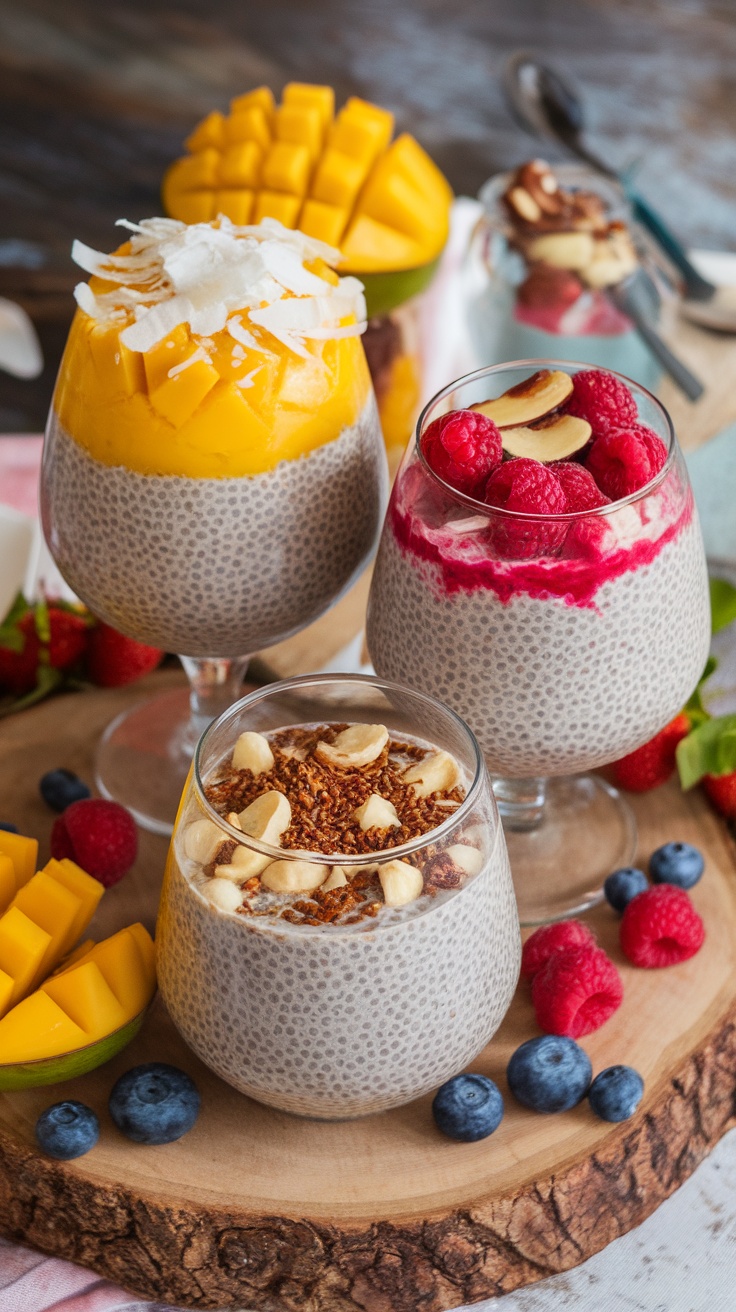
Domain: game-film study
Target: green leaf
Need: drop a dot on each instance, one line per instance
(48, 680)
(694, 708)
(10, 635)
(722, 603)
(708, 749)
(43, 623)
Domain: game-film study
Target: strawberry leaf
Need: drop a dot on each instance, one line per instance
(694, 708)
(709, 749)
(722, 604)
(42, 620)
(48, 680)
(11, 636)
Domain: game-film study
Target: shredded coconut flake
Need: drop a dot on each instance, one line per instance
(248, 379)
(198, 275)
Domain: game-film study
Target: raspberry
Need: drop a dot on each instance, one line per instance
(576, 992)
(653, 763)
(549, 288)
(579, 486)
(661, 927)
(463, 447)
(625, 459)
(603, 400)
(100, 836)
(526, 485)
(549, 939)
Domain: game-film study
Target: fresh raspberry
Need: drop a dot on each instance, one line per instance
(652, 763)
(579, 486)
(463, 447)
(661, 927)
(625, 459)
(576, 992)
(721, 789)
(100, 836)
(603, 400)
(525, 485)
(113, 659)
(549, 939)
(548, 288)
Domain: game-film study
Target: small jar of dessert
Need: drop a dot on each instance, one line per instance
(552, 243)
(338, 932)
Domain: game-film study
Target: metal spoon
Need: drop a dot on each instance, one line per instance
(547, 105)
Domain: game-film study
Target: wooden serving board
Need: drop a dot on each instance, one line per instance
(257, 1209)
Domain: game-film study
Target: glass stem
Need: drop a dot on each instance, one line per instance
(520, 802)
(214, 684)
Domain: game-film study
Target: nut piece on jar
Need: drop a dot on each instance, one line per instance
(267, 817)
(336, 879)
(468, 858)
(377, 813)
(294, 876)
(401, 883)
(201, 840)
(356, 746)
(223, 894)
(253, 752)
(435, 774)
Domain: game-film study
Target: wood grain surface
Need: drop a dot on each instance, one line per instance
(262, 1210)
(95, 101)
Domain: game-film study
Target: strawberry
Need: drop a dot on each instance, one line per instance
(113, 659)
(721, 789)
(654, 762)
(49, 634)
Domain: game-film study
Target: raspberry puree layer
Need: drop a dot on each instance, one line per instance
(595, 548)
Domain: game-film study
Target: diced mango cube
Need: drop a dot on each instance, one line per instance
(391, 198)
(178, 396)
(84, 994)
(259, 98)
(379, 247)
(286, 168)
(227, 408)
(7, 984)
(249, 125)
(195, 206)
(196, 172)
(241, 165)
(301, 124)
(170, 351)
(277, 205)
(57, 911)
(23, 948)
(37, 1028)
(325, 222)
(77, 954)
(147, 951)
(362, 131)
(236, 204)
(84, 887)
(338, 179)
(311, 97)
(120, 370)
(7, 882)
(126, 963)
(23, 852)
(210, 132)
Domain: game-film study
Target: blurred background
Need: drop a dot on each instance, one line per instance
(95, 102)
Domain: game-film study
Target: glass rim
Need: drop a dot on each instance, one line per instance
(335, 858)
(569, 516)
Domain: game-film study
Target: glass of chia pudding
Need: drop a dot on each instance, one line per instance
(552, 244)
(338, 932)
(542, 571)
(214, 474)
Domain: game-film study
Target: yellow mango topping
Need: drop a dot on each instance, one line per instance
(7, 882)
(38, 1027)
(338, 178)
(23, 852)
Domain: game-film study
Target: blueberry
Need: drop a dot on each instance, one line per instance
(624, 884)
(676, 863)
(616, 1093)
(59, 788)
(549, 1074)
(7, 827)
(468, 1107)
(67, 1130)
(154, 1103)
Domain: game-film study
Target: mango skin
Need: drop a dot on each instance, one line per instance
(54, 1070)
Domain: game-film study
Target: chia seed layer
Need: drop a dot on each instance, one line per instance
(215, 567)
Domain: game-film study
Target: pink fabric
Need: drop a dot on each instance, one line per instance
(20, 463)
(30, 1282)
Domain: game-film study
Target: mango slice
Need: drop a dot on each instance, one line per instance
(7, 882)
(23, 852)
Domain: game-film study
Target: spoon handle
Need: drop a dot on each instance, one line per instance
(626, 301)
(696, 288)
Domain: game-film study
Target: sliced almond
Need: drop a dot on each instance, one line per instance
(356, 746)
(234, 820)
(252, 752)
(553, 439)
(563, 250)
(336, 879)
(267, 817)
(377, 813)
(401, 883)
(435, 774)
(524, 204)
(294, 876)
(201, 840)
(532, 399)
(468, 858)
(223, 894)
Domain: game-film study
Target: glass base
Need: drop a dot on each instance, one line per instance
(572, 833)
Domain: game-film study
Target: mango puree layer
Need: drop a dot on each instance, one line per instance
(147, 413)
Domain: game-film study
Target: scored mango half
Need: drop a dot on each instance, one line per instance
(338, 178)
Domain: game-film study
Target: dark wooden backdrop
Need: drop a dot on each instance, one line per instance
(96, 97)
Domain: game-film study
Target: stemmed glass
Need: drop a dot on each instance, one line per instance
(565, 641)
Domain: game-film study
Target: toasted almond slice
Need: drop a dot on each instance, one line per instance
(435, 774)
(223, 894)
(294, 876)
(234, 820)
(356, 746)
(532, 399)
(252, 752)
(267, 817)
(336, 879)
(201, 840)
(401, 883)
(377, 813)
(468, 858)
(524, 204)
(554, 438)
(563, 250)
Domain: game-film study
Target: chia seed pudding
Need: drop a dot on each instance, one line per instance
(334, 986)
